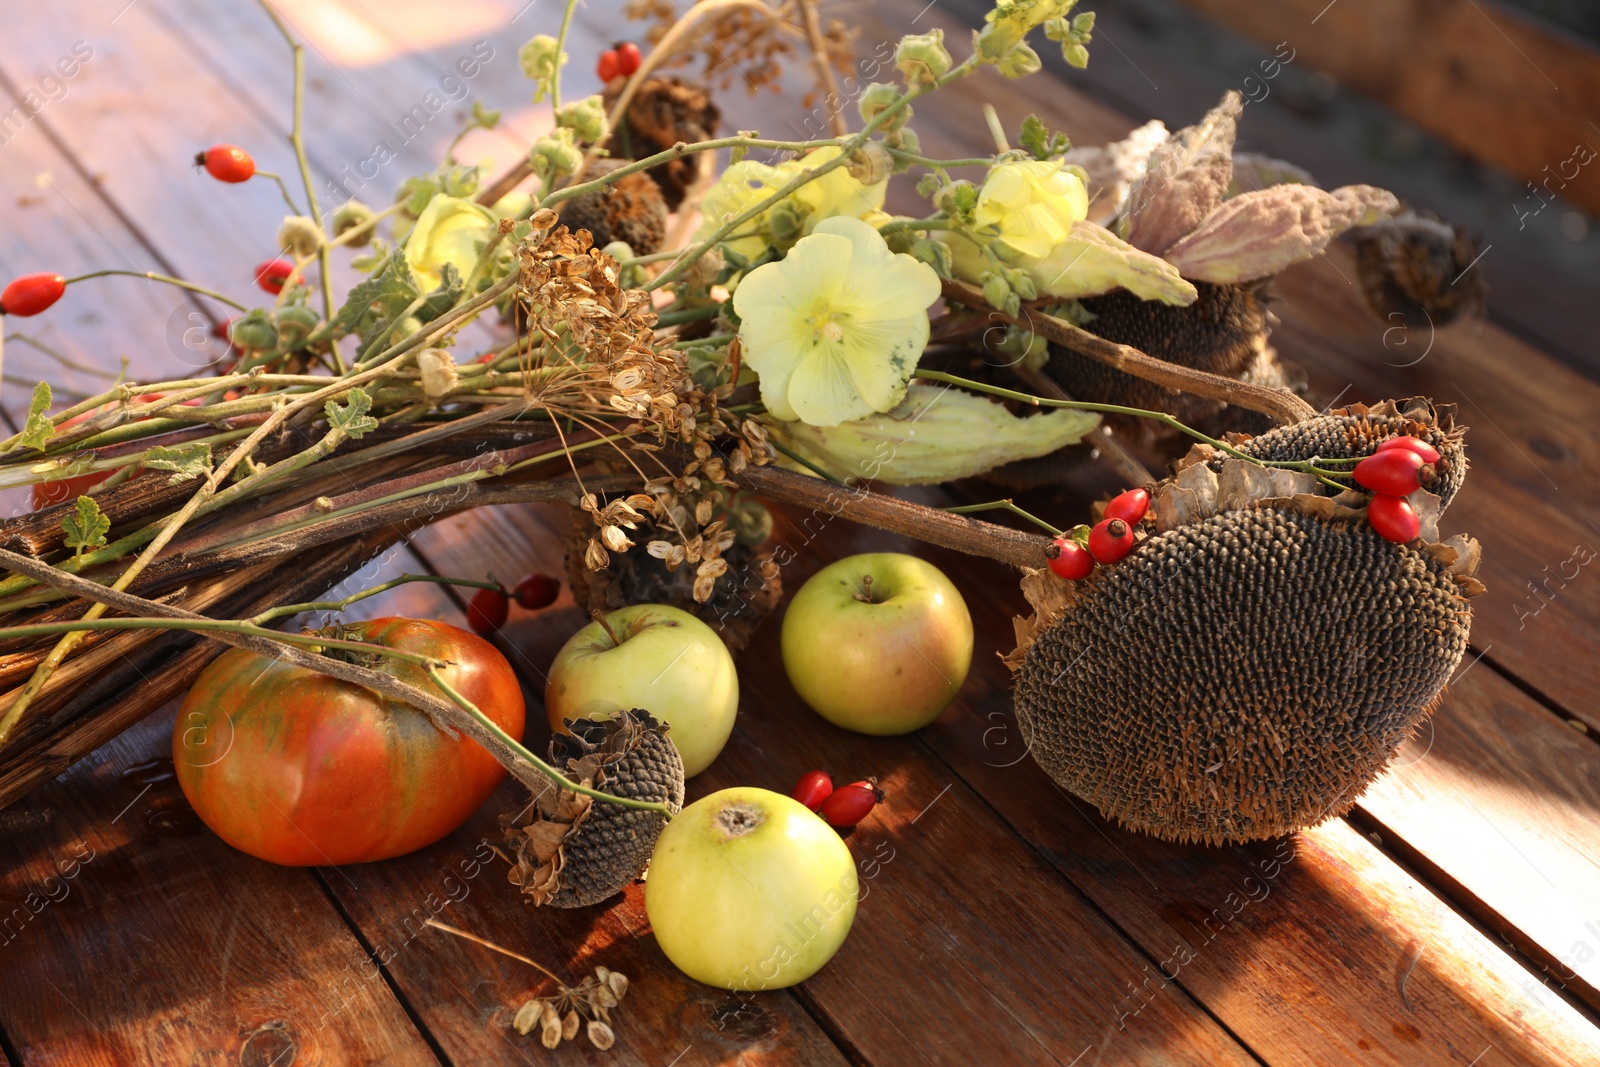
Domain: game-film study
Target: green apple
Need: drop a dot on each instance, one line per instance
(750, 890)
(655, 657)
(878, 643)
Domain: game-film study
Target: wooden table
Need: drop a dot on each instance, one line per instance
(1453, 917)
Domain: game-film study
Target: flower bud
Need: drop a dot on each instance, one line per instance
(787, 222)
(956, 197)
(995, 289)
(878, 97)
(254, 330)
(1021, 283)
(870, 164)
(299, 236)
(540, 59)
(294, 324)
(1021, 61)
(922, 58)
(935, 254)
(586, 118)
(348, 216)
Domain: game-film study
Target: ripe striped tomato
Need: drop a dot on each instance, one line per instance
(303, 769)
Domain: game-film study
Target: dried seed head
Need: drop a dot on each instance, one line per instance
(600, 1035)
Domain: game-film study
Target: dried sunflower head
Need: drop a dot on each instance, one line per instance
(1250, 667)
(569, 850)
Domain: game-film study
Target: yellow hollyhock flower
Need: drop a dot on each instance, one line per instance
(449, 230)
(1028, 208)
(745, 183)
(835, 328)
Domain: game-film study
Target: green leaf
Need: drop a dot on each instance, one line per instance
(383, 296)
(86, 528)
(488, 118)
(38, 430)
(1040, 142)
(186, 461)
(442, 299)
(352, 418)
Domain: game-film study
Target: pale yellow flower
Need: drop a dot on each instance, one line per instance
(835, 329)
(1028, 208)
(449, 230)
(745, 183)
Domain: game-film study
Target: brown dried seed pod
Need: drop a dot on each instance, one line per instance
(569, 1025)
(1358, 430)
(570, 851)
(1418, 271)
(550, 1026)
(631, 210)
(600, 1035)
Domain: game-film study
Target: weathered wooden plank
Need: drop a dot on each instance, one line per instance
(1297, 946)
(133, 935)
(1492, 82)
(1500, 801)
(955, 891)
(56, 220)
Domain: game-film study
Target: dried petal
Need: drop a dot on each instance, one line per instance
(600, 1035)
(1186, 177)
(1260, 233)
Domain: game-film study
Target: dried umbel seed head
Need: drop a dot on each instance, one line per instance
(569, 850)
(1289, 650)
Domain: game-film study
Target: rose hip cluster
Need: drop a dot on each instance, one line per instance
(840, 808)
(1073, 555)
(1399, 467)
(488, 609)
(622, 61)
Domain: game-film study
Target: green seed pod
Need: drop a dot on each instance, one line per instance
(299, 235)
(787, 222)
(255, 331)
(878, 97)
(922, 58)
(294, 324)
(1021, 61)
(555, 156)
(586, 118)
(348, 216)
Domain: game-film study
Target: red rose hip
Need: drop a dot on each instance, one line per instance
(1110, 540)
(272, 274)
(32, 293)
(537, 591)
(609, 66)
(1129, 507)
(813, 788)
(628, 59)
(227, 163)
(1393, 472)
(1422, 448)
(487, 611)
(1393, 518)
(848, 805)
(1070, 560)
